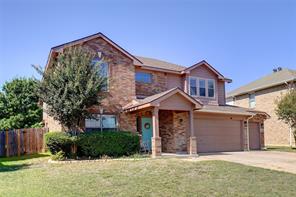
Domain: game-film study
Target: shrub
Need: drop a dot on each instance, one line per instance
(113, 144)
(59, 156)
(59, 141)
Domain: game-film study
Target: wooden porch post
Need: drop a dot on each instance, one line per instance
(186, 83)
(156, 140)
(192, 138)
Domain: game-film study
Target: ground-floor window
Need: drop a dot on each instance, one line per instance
(106, 121)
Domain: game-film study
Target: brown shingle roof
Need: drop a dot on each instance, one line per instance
(276, 78)
(230, 109)
(138, 60)
(155, 97)
(151, 62)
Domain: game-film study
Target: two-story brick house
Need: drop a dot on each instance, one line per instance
(262, 94)
(174, 108)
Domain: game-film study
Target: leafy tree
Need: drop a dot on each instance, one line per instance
(19, 104)
(286, 109)
(71, 85)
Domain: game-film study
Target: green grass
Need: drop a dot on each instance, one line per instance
(144, 177)
(281, 148)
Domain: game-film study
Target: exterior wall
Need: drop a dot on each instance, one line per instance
(181, 130)
(204, 72)
(121, 84)
(174, 81)
(174, 130)
(49, 122)
(162, 81)
(176, 102)
(276, 132)
(221, 93)
(158, 84)
(166, 131)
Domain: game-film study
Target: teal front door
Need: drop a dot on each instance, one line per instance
(146, 133)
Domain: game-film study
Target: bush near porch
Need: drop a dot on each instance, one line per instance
(94, 144)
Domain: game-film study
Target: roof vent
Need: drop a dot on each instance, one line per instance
(277, 69)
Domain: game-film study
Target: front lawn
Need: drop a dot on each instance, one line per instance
(143, 177)
(281, 148)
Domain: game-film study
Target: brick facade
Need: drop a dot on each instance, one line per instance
(121, 89)
(166, 131)
(276, 131)
(158, 84)
(49, 122)
(174, 131)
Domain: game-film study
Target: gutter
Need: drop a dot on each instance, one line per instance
(248, 132)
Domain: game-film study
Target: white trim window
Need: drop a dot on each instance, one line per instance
(211, 88)
(109, 123)
(193, 86)
(252, 100)
(200, 87)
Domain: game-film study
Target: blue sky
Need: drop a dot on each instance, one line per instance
(242, 39)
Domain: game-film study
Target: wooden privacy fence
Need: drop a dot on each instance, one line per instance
(19, 142)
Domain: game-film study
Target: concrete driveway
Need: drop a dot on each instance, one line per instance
(282, 161)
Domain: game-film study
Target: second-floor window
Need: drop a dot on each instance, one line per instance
(202, 87)
(104, 71)
(252, 100)
(193, 87)
(143, 77)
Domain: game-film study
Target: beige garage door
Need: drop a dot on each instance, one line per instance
(254, 136)
(214, 135)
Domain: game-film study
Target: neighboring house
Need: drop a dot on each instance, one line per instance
(174, 108)
(262, 94)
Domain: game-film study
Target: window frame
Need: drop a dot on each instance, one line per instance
(196, 87)
(214, 88)
(199, 87)
(108, 72)
(252, 100)
(98, 128)
(206, 87)
(141, 81)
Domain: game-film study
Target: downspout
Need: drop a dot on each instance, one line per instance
(290, 127)
(248, 132)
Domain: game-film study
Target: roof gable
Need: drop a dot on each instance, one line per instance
(59, 48)
(204, 63)
(155, 100)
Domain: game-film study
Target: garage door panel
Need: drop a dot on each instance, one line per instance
(215, 135)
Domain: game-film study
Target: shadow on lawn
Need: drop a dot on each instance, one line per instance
(8, 168)
(17, 163)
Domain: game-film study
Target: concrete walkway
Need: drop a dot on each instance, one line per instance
(274, 160)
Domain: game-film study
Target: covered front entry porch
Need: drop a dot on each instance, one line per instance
(165, 122)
